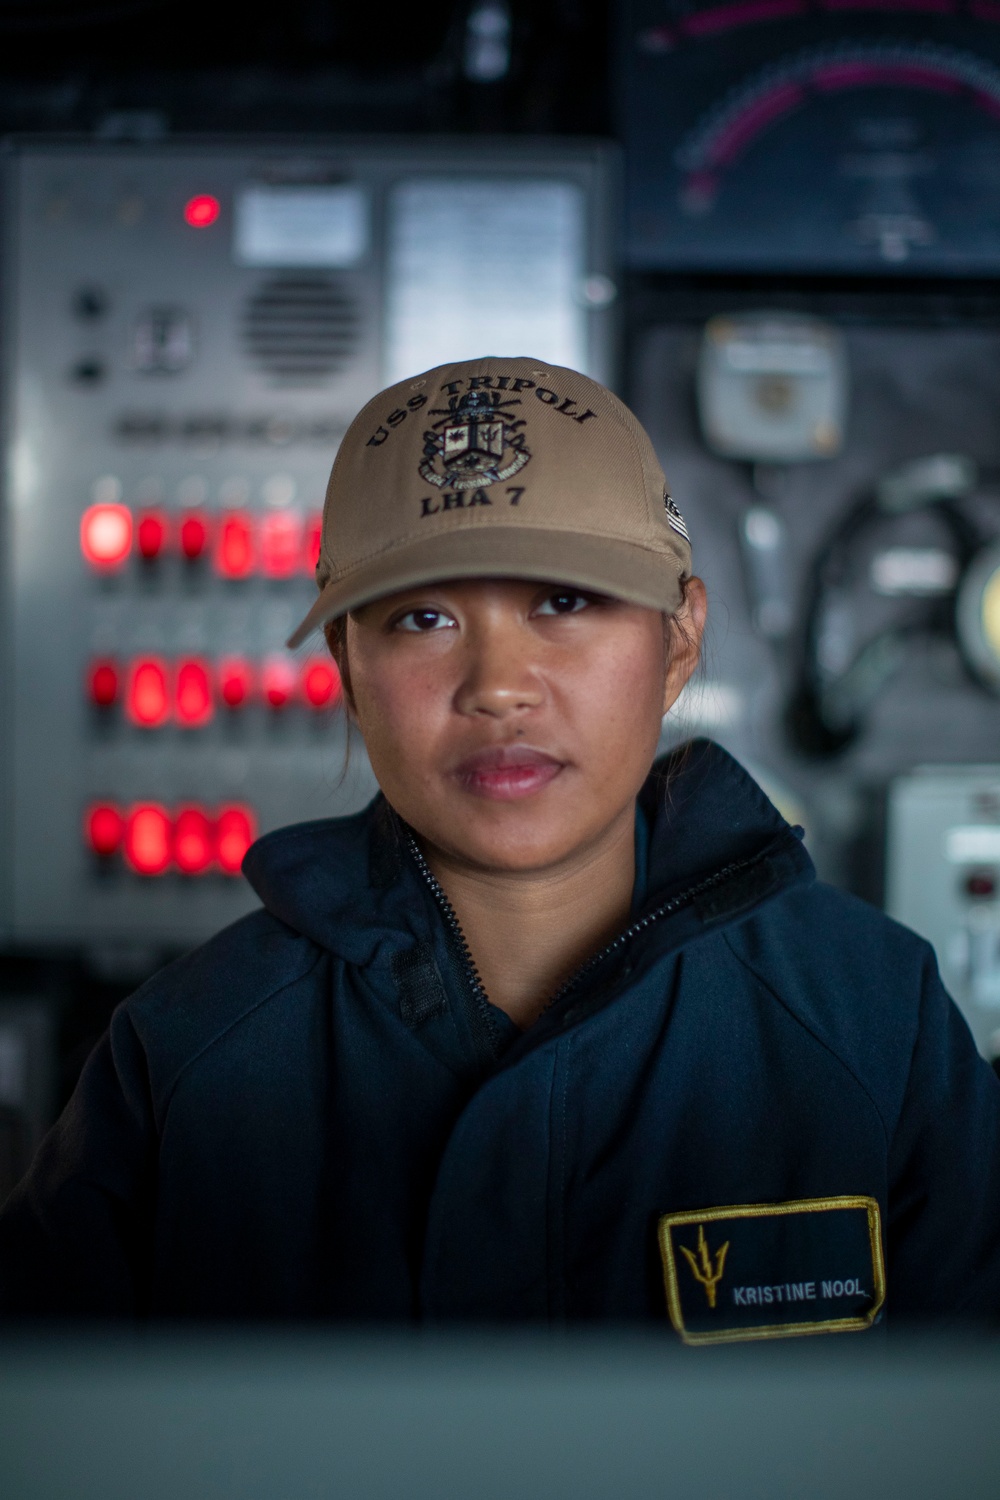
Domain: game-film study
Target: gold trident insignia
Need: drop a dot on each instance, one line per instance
(703, 1272)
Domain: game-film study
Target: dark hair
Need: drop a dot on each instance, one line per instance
(336, 640)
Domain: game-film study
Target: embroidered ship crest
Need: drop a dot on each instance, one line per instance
(475, 442)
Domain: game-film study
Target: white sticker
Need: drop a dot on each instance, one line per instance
(301, 226)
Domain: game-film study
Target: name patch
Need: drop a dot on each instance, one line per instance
(773, 1270)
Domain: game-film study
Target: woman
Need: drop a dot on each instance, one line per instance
(544, 1033)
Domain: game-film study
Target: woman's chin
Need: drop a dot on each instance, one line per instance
(513, 838)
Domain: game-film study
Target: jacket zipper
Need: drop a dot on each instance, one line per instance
(451, 921)
(475, 978)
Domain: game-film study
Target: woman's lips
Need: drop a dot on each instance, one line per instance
(506, 772)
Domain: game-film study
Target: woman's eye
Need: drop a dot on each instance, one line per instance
(565, 602)
(423, 620)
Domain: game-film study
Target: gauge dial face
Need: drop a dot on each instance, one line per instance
(784, 134)
(978, 616)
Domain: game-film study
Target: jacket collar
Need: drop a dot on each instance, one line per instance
(351, 886)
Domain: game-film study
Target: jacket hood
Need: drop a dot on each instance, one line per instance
(351, 885)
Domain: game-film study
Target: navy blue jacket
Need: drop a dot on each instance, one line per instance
(317, 1115)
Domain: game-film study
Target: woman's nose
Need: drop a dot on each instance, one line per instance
(500, 676)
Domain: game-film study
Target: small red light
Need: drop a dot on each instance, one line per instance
(148, 839)
(234, 556)
(280, 543)
(102, 683)
(201, 210)
(151, 534)
(194, 841)
(106, 535)
(103, 829)
(278, 680)
(321, 684)
(235, 831)
(147, 695)
(194, 535)
(193, 694)
(235, 681)
(314, 538)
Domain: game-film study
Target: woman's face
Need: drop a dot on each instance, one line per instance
(511, 724)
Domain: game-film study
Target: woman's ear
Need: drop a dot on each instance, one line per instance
(684, 632)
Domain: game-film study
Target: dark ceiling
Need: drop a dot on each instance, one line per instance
(299, 65)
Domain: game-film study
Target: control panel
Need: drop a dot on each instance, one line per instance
(733, 114)
(943, 880)
(190, 329)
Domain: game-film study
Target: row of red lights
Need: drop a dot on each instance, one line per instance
(152, 841)
(154, 692)
(279, 544)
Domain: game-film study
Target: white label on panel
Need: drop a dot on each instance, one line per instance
(301, 226)
(974, 844)
(482, 266)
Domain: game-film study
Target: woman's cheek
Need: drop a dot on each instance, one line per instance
(398, 715)
(619, 697)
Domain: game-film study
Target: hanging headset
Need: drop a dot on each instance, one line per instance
(957, 597)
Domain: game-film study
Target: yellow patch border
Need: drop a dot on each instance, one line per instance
(764, 1211)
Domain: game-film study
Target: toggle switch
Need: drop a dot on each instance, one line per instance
(103, 683)
(104, 828)
(280, 543)
(236, 829)
(321, 684)
(235, 681)
(279, 681)
(106, 535)
(234, 546)
(193, 704)
(147, 693)
(313, 541)
(194, 841)
(151, 534)
(194, 535)
(148, 842)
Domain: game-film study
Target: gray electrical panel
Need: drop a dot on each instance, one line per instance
(189, 331)
(943, 880)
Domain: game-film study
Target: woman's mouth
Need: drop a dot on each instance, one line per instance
(505, 772)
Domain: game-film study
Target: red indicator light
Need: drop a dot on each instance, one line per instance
(194, 841)
(106, 535)
(235, 681)
(194, 535)
(280, 543)
(148, 839)
(201, 210)
(151, 534)
(102, 683)
(314, 538)
(234, 557)
(147, 695)
(103, 829)
(278, 681)
(193, 694)
(235, 831)
(321, 684)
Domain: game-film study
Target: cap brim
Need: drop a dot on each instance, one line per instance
(606, 565)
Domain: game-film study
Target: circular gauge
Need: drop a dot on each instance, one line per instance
(859, 152)
(978, 616)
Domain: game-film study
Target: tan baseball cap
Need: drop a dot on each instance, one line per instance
(497, 468)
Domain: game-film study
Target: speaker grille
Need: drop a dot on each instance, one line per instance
(301, 329)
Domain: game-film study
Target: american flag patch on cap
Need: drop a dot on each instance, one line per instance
(674, 517)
